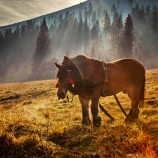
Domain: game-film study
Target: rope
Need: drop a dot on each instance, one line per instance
(115, 96)
(106, 113)
(71, 98)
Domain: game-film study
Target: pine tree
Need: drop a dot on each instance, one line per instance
(53, 27)
(148, 13)
(42, 52)
(113, 10)
(80, 32)
(1, 55)
(154, 19)
(130, 4)
(154, 28)
(85, 13)
(95, 31)
(1, 42)
(117, 29)
(61, 20)
(94, 18)
(107, 23)
(68, 34)
(8, 36)
(148, 23)
(113, 32)
(75, 35)
(128, 37)
(86, 32)
(90, 9)
(142, 15)
(135, 14)
(31, 25)
(95, 38)
(23, 31)
(16, 34)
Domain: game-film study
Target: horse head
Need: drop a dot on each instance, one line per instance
(65, 77)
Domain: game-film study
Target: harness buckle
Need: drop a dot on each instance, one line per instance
(106, 71)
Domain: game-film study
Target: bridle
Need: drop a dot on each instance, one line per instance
(91, 84)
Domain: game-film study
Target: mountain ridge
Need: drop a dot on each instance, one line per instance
(123, 7)
(41, 16)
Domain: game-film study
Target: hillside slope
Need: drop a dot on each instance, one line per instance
(33, 123)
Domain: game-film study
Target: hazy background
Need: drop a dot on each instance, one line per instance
(103, 29)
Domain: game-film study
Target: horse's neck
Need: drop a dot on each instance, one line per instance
(79, 71)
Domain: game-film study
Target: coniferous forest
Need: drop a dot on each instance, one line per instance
(29, 49)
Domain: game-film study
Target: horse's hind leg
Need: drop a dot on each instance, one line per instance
(134, 111)
(94, 110)
(85, 110)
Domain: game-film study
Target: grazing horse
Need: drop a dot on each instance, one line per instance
(91, 79)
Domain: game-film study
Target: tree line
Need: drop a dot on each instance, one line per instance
(83, 32)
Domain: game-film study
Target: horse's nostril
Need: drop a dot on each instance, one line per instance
(61, 95)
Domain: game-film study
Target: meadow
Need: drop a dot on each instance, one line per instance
(34, 123)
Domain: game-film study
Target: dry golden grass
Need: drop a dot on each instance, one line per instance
(33, 123)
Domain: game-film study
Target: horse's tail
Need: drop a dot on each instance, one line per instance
(142, 94)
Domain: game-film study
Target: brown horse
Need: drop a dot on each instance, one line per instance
(90, 79)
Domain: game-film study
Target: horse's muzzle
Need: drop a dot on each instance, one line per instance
(61, 95)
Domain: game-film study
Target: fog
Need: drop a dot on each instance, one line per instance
(92, 30)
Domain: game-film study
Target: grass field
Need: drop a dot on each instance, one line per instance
(33, 123)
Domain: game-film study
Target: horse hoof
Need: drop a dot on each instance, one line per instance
(97, 122)
(86, 121)
(130, 120)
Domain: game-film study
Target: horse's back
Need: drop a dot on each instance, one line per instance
(125, 74)
(131, 67)
(129, 63)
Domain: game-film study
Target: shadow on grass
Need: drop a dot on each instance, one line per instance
(29, 147)
(149, 128)
(112, 141)
(76, 141)
(78, 136)
(150, 112)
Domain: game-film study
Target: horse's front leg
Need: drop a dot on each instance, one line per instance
(94, 109)
(85, 110)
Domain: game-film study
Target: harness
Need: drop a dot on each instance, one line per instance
(96, 84)
(92, 84)
(105, 67)
(75, 62)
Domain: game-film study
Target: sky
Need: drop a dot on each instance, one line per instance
(12, 11)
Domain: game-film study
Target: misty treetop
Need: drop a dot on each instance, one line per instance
(93, 30)
(42, 52)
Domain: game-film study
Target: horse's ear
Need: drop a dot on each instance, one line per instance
(66, 58)
(57, 65)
